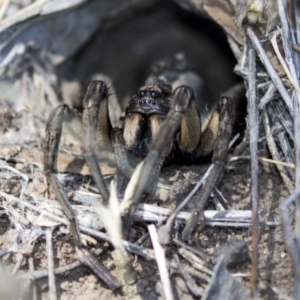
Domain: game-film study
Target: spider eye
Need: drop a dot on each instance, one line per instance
(154, 94)
(141, 94)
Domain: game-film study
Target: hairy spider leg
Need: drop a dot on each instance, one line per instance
(53, 130)
(216, 135)
(50, 149)
(97, 129)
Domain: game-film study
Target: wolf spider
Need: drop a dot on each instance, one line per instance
(160, 124)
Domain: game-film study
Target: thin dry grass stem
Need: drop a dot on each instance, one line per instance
(189, 280)
(111, 218)
(34, 208)
(161, 262)
(50, 259)
(31, 269)
(264, 159)
(142, 239)
(196, 273)
(292, 60)
(253, 124)
(288, 38)
(288, 152)
(130, 247)
(194, 260)
(231, 217)
(296, 253)
(20, 258)
(22, 14)
(297, 200)
(282, 117)
(274, 152)
(131, 188)
(218, 205)
(198, 251)
(145, 212)
(287, 225)
(282, 61)
(3, 8)
(267, 97)
(297, 178)
(296, 47)
(270, 69)
(232, 142)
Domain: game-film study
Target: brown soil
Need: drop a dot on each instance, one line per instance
(275, 270)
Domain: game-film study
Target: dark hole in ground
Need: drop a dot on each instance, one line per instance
(125, 50)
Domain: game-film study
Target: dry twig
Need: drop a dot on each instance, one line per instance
(51, 276)
(271, 71)
(253, 123)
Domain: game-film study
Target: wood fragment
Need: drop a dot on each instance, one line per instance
(253, 124)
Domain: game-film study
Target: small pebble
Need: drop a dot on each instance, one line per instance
(64, 285)
(19, 166)
(283, 254)
(92, 278)
(158, 288)
(91, 286)
(210, 251)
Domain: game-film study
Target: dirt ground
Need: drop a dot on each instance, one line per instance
(275, 270)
